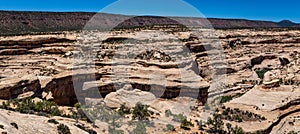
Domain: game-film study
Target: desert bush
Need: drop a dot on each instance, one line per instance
(4, 105)
(27, 105)
(168, 113)
(215, 124)
(238, 118)
(63, 129)
(169, 127)
(185, 124)
(140, 128)
(261, 72)
(102, 113)
(237, 130)
(123, 110)
(200, 125)
(178, 117)
(1, 126)
(141, 111)
(115, 131)
(229, 127)
(225, 99)
(77, 105)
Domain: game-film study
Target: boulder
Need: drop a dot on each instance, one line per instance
(270, 80)
(129, 98)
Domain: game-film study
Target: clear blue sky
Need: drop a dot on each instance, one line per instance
(273, 10)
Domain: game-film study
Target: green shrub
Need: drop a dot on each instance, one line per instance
(185, 124)
(168, 113)
(238, 130)
(29, 106)
(140, 129)
(53, 121)
(77, 105)
(238, 118)
(15, 125)
(140, 111)
(225, 99)
(229, 127)
(1, 126)
(63, 129)
(55, 111)
(169, 127)
(261, 72)
(123, 110)
(4, 105)
(216, 124)
(178, 117)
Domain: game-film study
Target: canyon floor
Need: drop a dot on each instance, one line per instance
(249, 78)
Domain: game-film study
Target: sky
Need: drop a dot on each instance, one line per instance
(271, 10)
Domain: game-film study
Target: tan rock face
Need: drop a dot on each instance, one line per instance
(132, 66)
(161, 67)
(129, 98)
(11, 88)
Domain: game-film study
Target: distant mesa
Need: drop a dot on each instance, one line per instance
(287, 23)
(30, 22)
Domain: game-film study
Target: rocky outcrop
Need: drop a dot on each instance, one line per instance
(10, 88)
(259, 59)
(64, 86)
(270, 80)
(129, 98)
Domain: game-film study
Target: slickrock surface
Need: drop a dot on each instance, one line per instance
(76, 66)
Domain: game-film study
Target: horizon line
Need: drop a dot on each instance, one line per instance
(46, 11)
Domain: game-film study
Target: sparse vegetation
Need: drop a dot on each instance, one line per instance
(238, 130)
(115, 131)
(201, 125)
(239, 115)
(261, 72)
(235, 130)
(140, 112)
(169, 127)
(27, 105)
(215, 124)
(168, 113)
(63, 129)
(225, 99)
(185, 124)
(123, 110)
(140, 128)
(105, 114)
